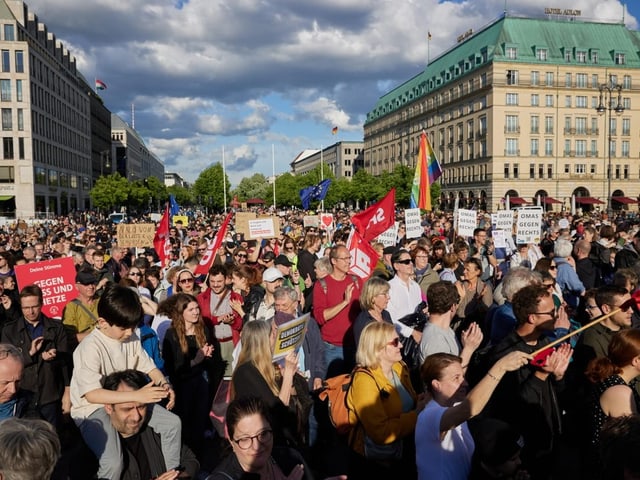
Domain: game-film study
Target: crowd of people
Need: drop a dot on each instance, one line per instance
(468, 360)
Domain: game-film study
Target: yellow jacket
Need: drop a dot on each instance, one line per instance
(375, 406)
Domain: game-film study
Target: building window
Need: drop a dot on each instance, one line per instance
(535, 124)
(567, 125)
(594, 56)
(535, 147)
(567, 148)
(19, 61)
(506, 170)
(53, 177)
(549, 79)
(567, 101)
(6, 61)
(511, 147)
(626, 103)
(625, 148)
(20, 119)
(592, 169)
(5, 90)
(512, 99)
(567, 55)
(535, 99)
(511, 53)
(548, 100)
(581, 80)
(580, 168)
(612, 149)
(535, 78)
(567, 168)
(626, 126)
(581, 101)
(594, 148)
(19, 90)
(7, 123)
(9, 33)
(620, 59)
(550, 170)
(21, 148)
(532, 170)
(548, 125)
(516, 170)
(7, 175)
(541, 54)
(613, 125)
(567, 80)
(581, 148)
(548, 147)
(73, 181)
(626, 82)
(40, 176)
(512, 77)
(511, 124)
(594, 81)
(581, 125)
(625, 172)
(581, 56)
(7, 148)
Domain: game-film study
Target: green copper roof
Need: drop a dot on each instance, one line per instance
(526, 35)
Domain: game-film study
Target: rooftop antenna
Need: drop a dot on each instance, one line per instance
(133, 116)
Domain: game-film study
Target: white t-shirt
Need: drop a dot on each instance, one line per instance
(446, 459)
(404, 298)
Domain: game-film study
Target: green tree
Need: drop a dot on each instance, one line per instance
(209, 186)
(255, 186)
(110, 192)
(182, 195)
(287, 191)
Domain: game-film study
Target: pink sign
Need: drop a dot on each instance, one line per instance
(56, 278)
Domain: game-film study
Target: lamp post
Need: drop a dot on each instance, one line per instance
(607, 91)
(105, 161)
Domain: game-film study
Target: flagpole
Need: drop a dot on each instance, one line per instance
(224, 182)
(273, 170)
(321, 176)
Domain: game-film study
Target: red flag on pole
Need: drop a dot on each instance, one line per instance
(376, 219)
(207, 259)
(363, 256)
(161, 239)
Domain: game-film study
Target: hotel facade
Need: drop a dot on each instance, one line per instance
(523, 111)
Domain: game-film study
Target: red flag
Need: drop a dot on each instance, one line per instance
(210, 254)
(363, 256)
(161, 239)
(377, 218)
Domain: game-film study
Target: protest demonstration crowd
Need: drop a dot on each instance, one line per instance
(385, 343)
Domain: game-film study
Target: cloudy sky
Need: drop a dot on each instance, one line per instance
(249, 74)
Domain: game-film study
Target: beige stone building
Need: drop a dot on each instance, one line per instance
(524, 110)
(342, 158)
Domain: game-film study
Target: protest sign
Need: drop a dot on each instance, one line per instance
(389, 237)
(504, 220)
(499, 238)
(529, 225)
(467, 222)
(326, 221)
(413, 223)
(311, 221)
(289, 336)
(261, 228)
(136, 234)
(183, 218)
(56, 278)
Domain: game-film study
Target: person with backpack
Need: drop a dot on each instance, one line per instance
(383, 407)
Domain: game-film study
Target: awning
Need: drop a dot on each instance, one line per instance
(624, 200)
(4, 198)
(589, 201)
(550, 200)
(517, 201)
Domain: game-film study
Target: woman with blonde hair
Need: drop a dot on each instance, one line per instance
(194, 366)
(373, 300)
(384, 406)
(257, 376)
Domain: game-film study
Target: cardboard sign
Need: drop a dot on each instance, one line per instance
(56, 278)
(413, 223)
(467, 222)
(529, 225)
(504, 220)
(311, 221)
(390, 236)
(289, 336)
(326, 221)
(136, 235)
(261, 228)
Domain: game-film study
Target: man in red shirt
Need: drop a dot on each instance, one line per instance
(336, 304)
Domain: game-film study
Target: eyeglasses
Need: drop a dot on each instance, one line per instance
(552, 267)
(241, 255)
(265, 436)
(395, 342)
(344, 258)
(135, 274)
(406, 261)
(552, 313)
(549, 285)
(186, 280)
(591, 307)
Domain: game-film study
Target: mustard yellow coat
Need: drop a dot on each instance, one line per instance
(379, 412)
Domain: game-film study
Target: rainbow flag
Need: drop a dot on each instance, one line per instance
(100, 85)
(427, 171)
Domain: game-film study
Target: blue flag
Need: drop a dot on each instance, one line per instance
(306, 196)
(314, 192)
(173, 205)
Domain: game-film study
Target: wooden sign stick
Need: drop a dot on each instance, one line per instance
(575, 332)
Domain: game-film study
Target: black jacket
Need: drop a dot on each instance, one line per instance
(45, 379)
(285, 458)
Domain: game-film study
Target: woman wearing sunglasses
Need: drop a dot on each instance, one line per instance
(384, 406)
(137, 276)
(186, 283)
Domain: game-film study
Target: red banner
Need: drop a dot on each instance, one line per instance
(207, 259)
(377, 218)
(161, 239)
(56, 278)
(363, 256)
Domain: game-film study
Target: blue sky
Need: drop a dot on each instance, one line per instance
(249, 74)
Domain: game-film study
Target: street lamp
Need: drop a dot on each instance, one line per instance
(105, 161)
(607, 90)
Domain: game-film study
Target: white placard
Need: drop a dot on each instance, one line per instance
(390, 236)
(529, 225)
(413, 222)
(467, 222)
(261, 228)
(499, 238)
(504, 220)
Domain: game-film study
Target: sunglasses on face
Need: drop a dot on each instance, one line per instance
(395, 342)
(241, 255)
(405, 262)
(135, 274)
(186, 280)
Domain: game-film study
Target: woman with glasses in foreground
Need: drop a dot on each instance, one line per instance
(383, 406)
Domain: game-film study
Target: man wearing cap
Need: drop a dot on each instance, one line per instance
(46, 356)
(265, 309)
(80, 315)
(291, 276)
(383, 268)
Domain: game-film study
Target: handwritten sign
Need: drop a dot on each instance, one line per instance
(311, 221)
(136, 234)
(467, 222)
(261, 228)
(56, 278)
(289, 336)
(413, 222)
(389, 237)
(504, 220)
(529, 225)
